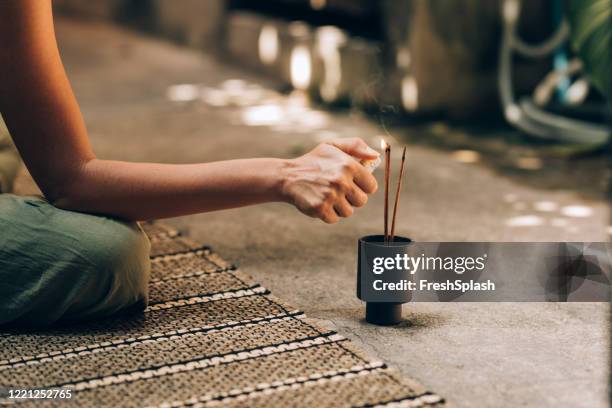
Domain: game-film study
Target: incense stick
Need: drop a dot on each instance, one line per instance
(397, 195)
(387, 170)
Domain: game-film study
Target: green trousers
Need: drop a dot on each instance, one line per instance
(60, 266)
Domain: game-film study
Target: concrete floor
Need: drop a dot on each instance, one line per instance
(476, 355)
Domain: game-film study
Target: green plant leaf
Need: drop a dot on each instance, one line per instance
(591, 38)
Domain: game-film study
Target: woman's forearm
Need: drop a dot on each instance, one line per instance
(140, 191)
(44, 118)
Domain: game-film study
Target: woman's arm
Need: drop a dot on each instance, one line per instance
(39, 107)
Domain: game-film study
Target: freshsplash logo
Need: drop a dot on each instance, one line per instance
(414, 264)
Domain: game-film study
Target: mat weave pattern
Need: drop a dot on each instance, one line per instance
(210, 336)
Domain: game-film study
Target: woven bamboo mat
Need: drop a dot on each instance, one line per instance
(210, 336)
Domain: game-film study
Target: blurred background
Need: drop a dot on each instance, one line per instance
(503, 107)
(518, 86)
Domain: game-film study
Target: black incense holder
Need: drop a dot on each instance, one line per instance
(383, 314)
(382, 307)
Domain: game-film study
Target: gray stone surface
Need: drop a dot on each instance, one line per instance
(100, 9)
(474, 354)
(194, 22)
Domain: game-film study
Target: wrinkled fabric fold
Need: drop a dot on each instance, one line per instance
(61, 266)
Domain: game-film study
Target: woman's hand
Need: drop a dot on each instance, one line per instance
(329, 181)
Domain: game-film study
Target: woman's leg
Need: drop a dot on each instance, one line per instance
(59, 266)
(9, 160)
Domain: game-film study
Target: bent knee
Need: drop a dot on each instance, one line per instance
(121, 249)
(69, 266)
(118, 278)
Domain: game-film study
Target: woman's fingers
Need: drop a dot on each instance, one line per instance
(356, 147)
(329, 182)
(364, 179)
(356, 197)
(343, 208)
(350, 190)
(329, 216)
